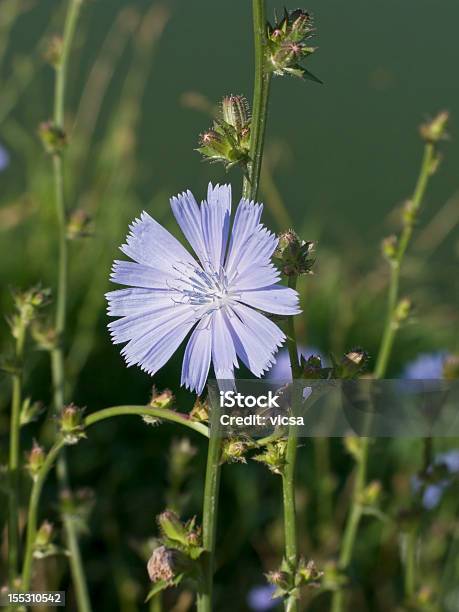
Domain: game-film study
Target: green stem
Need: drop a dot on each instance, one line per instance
(33, 512)
(391, 325)
(91, 419)
(57, 355)
(390, 329)
(13, 464)
(160, 413)
(209, 515)
(410, 565)
(259, 104)
(288, 476)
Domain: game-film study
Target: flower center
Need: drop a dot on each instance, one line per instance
(200, 287)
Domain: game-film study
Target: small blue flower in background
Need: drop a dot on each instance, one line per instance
(426, 366)
(281, 370)
(433, 493)
(4, 158)
(260, 598)
(219, 294)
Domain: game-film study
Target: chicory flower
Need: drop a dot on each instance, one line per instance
(217, 295)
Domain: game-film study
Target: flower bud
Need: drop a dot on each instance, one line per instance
(235, 112)
(172, 528)
(27, 304)
(162, 399)
(71, 424)
(371, 494)
(53, 51)
(402, 311)
(30, 411)
(79, 225)
(293, 255)
(389, 247)
(312, 368)
(53, 137)
(353, 445)
(200, 410)
(352, 365)
(308, 573)
(279, 579)
(233, 451)
(44, 535)
(273, 456)
(435, 130)
(228, 140)
(35, 460)
(287, 45)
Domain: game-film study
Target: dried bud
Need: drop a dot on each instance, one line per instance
(435, 130)
(279, 579)
(71, 424)
(451, 367)
(162, 564)
(30, 411)
(293, 255)
(233, 451)
(35, 460)
(235, 112)
(287, 45)
(312, 368)
(79, 225)
(53, 137)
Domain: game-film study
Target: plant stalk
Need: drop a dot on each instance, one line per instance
(33, 512)
(259, 104)
(390, 329)
(288, 476)
(209, 515)
(57, 354)
(13, 464)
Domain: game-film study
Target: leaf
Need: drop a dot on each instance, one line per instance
(311, 77)
(161, 585)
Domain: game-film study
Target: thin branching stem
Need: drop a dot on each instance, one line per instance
(13, 464)
(390, 329)
(57, 354)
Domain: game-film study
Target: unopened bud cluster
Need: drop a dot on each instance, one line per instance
(27, 304)
(435, 130)
(274, 456)
(289, 580)
(35, 459)
(53, 137)
(228, 140)
(79, 225)
(288, 46)
(71, 424)
(177, 554)
(294, 256)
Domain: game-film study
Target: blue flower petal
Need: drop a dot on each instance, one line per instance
(196, 361)
(276, 299)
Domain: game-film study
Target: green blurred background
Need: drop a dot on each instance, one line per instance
(340, 158)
